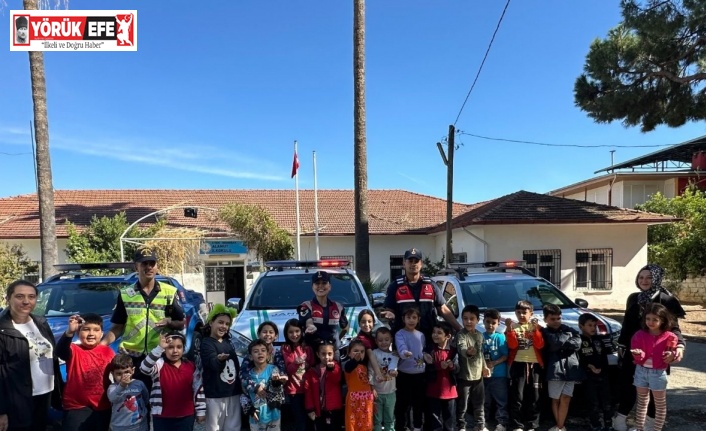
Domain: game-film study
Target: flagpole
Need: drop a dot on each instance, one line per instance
(316, 211)
(296, 187)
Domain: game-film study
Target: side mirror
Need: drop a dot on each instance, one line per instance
(581, 302)
(234, 303)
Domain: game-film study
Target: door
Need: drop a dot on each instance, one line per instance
(234, 278)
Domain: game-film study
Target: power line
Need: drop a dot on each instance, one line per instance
(487, 51)
(561, 145)
(13, 154)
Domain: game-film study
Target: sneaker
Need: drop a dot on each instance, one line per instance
(619, 422)
(500, 427)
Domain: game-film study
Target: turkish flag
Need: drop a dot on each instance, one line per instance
(295, 164)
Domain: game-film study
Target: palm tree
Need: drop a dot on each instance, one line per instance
(360, 157)
(45, 189)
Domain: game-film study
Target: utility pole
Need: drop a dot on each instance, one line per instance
(449, 162)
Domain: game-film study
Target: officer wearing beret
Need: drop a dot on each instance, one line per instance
(416, 290)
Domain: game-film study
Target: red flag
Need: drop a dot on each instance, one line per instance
(295, 164)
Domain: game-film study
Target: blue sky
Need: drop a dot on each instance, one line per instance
(216, 94)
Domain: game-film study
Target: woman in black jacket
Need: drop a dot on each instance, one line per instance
(29, 367)
(649, 282)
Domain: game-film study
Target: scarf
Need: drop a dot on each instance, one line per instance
(647, 296)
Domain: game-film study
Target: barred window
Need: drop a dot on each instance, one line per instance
(461, 257)
(545, 264)
(396, 266)
(594, 269)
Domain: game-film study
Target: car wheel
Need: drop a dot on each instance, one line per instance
(195, 351)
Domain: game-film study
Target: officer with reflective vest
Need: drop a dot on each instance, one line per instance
(416, 290)
(322, 318)
(143, 310)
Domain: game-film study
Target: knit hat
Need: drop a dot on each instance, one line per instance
(20, 22)
(219, 309)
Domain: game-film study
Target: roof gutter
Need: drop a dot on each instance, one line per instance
(485, 243)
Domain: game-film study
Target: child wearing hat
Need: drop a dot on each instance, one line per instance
(221, 371)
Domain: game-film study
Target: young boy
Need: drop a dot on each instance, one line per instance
(323, 399)
(264, 415)
(525, 343)
(441, 385)
(128, 396)
(85, 403)
(495, 353)
(472, 368)
(593, 357)
(561, 344)
(385, 402)
(410, 393)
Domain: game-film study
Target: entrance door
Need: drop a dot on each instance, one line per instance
(234, 277)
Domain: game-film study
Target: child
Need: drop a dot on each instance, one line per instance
(366, 323)
(441, 386)
(593, 358)
(525, 343)
(221, 371)
(128, 397)
(410, 392)
(360, 396)
(298, 358)
(650, 347)
(495, 353)
(322, 389)
(472, 369)
(264, 378)
(384, 415)
(86, 406)
(268, 333)
(177, 394)
(561, 344)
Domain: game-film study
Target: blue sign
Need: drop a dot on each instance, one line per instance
(223, 247)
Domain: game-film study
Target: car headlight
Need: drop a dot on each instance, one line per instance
(240, 343)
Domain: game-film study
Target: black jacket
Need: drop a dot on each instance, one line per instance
(633, 317)
(561, 359)
(15, 375)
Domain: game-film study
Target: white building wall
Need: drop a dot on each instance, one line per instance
(463, 241)
(628, 242)
(577, 196)
(617, 194)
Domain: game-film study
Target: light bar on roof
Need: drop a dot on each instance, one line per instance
(490, 264)
(291, 264)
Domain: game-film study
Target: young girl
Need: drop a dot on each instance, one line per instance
(410, 392)
(221, 372)
(366, 323)
(650, 348)
(360, 398)
(322, 389)
(177, 394)
(298, 358)
(441, 386)
(268, 333)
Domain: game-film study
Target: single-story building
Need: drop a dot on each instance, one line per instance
(589, 250)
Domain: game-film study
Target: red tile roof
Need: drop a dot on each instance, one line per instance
(390, 211)
(524, 207)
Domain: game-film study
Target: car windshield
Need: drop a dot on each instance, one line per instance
(288, 291)
(503, 294)
(66, 299)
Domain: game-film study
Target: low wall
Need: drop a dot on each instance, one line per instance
(692, 290)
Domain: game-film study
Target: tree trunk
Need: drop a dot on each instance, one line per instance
(45, 189)
(360, 158)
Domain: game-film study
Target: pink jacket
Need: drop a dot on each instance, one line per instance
(653, 346)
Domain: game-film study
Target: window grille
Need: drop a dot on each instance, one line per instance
(594, 269)
(545, 264)
(396, 266)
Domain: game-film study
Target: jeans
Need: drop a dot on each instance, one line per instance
(174, 424)
(410, 393)
(441, 414)
(474, 392)
(525, 382)
(301, 420)
(496, 389)
(385, 412)
(598, 394)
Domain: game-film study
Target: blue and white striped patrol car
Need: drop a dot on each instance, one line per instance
(278, 292)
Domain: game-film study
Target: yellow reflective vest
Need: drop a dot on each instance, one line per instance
(141, 335)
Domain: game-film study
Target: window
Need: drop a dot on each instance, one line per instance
(288, 291)
(545, 264)
(450, 297)
(594, 269)
(503, 294)
(396, 266)
(459, 257)
(215, 279)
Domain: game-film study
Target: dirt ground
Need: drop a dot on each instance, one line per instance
(693, 326)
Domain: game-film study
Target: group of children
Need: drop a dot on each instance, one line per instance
(385, 375)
